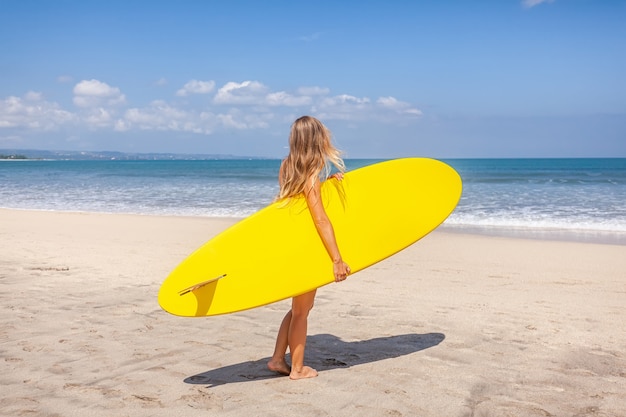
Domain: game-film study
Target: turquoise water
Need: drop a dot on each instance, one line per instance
(511, 195)
(583, 198)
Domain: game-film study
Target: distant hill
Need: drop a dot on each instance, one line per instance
(108, 155)
(12, 156)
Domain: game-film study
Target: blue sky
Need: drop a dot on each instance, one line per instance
(445, 79)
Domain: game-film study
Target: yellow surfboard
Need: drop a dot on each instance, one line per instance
(277, 253)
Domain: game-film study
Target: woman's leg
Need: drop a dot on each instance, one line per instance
(278, 363)
(300, 307)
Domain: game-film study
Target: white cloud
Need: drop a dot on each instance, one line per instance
(121, 125)
(397, 106)
(247, 92)
(94, 93)
(345, 99)
(161, 116)
(33, 96)
(240, 120)
(282, 98)
(236, 105)
(532, 3)
(98, 117)
(343, 107)
(32, 112)
(95, 88)
(229, 120)
(389, 102)
(351, 108)
(196, 87)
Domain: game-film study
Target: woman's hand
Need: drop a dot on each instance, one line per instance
(337, 175)
(341, 270)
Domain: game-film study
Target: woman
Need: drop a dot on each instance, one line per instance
(310, 155)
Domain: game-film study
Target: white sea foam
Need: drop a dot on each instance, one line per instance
(535, 195)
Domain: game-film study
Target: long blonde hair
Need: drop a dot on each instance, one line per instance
(311, 154)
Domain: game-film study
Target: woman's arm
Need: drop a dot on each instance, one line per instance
(325, 228)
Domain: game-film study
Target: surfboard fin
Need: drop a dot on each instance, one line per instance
(200, 285)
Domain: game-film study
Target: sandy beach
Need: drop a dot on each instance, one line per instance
(456, 325)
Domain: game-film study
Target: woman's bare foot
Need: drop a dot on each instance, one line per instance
(279, 366)
(305, 372)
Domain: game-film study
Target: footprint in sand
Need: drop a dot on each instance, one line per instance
(202, 400)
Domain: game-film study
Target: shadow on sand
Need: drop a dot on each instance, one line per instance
(324, 352)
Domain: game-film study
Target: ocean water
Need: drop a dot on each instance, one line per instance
(545, 198)
(584, 198)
